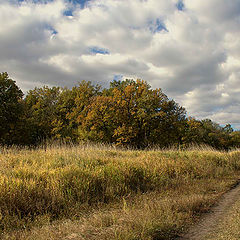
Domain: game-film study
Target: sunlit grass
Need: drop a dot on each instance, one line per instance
(107, 192)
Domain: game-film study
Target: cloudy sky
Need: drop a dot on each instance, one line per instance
(189, 48)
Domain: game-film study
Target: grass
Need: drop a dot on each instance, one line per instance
(99, 192)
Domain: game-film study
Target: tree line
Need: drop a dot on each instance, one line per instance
(128, 113)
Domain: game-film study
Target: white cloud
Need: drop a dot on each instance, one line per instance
(195, 58)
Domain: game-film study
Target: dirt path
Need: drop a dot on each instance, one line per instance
(209, 223)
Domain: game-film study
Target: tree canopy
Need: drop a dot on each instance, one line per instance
(10, 109)
(128, 113)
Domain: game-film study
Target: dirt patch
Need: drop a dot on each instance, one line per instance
(209, 221)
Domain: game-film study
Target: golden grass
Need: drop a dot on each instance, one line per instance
(108, 193)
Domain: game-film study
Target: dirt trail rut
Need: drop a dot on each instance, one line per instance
(209, 222)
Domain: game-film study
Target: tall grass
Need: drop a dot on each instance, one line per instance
(61, 182)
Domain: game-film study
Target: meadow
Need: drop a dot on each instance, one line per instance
(102, 192)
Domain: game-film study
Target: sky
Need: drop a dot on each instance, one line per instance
(190, 48)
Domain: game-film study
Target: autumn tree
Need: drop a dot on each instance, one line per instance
(136, 109)
(75, 103)
(83, 94)
(99, 123)
(131, 113)
(148, 116)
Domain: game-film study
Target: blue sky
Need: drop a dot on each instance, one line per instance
(82, 3)
(177, 45)
(180, 5)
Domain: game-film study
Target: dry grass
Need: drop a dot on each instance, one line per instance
(108, 193)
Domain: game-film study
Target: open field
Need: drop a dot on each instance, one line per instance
(99, 192)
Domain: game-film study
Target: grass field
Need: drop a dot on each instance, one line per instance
(99, 192)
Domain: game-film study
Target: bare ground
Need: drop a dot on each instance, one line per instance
(210, 222)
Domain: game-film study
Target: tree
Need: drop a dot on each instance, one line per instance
(83, 95)
(147, 116)
(208, 132)
(72, 105)
(78, 101)
(63, 127)
(41, 112)
(99, 123)
(10, 110)
(235, 139)
(131, 113)
(193, 132)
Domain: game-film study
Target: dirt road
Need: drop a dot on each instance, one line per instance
(222, 222)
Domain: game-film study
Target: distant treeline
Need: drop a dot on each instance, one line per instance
(128, 113)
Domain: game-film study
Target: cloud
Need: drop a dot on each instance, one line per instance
(189, 48)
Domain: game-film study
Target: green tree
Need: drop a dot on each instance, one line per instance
(41, 112)
(63, 127)
(10, 110)
(235, 139)
(193, 132)
(71, 107)
(208, 132)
